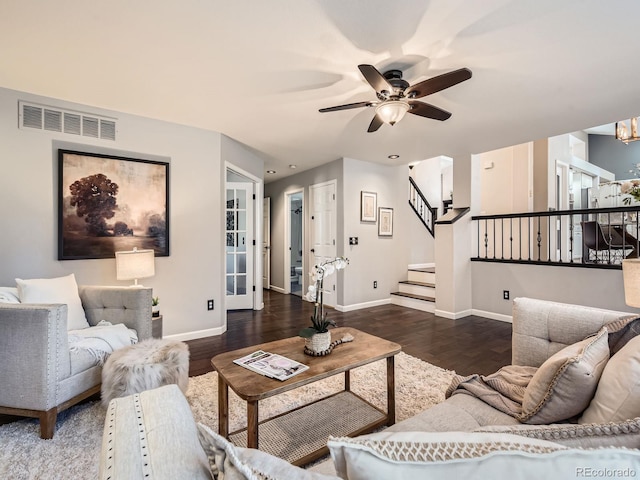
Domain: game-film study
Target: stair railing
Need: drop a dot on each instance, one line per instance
(425, 212)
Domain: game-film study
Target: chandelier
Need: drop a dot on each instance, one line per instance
(627, 132)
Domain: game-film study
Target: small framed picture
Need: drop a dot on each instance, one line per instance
(368, 206)
(385, 222)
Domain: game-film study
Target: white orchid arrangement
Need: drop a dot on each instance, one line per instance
(319, 321)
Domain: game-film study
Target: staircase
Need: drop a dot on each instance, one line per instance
(418, 291)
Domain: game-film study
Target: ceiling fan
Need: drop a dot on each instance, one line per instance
(396, 97)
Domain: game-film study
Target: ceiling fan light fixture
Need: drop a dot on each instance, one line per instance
(392, 111)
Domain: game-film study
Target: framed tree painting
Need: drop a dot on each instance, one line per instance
(108, 204)
(368, 205)
(385, 222)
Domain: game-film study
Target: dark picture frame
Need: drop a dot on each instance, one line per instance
(385, 222)
(368, 206)
(108, 203)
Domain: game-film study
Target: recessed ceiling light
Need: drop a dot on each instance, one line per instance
(271, 172)
(293, 166)
(394, 156)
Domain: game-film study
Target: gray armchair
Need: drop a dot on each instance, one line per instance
(37, 378)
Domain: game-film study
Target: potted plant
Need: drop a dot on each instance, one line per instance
(317, 336)
(155, 310)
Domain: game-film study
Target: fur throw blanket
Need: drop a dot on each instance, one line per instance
(101, 340)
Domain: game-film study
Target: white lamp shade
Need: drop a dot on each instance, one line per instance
(631, 277)
(392, 111)
(135, 264)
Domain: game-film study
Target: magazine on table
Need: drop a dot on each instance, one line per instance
(271, 365)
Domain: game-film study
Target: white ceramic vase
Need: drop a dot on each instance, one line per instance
(319, 342)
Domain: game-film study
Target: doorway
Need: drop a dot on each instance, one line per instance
(295, 236)
(323, 232)
(266, 243)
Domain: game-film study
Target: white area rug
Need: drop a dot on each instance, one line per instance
(74, 452)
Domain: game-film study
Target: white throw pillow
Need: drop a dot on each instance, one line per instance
(9, 295)
(617, 397)
(443, 455)
(55, 290)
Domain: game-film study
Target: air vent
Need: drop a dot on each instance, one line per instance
(44, 117)
(53, 120)
(72, 124)
(31, 116)
(107, 129)
(90, 127)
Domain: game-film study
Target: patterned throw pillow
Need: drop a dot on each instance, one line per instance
(442, 455)
(619, 434)
(236, 463)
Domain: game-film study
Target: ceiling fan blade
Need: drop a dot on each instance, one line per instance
(345, 107)
(436, 84)
(375, 124)
(375, 78)
(425, 110)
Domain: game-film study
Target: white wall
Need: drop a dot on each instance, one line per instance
(593, 287)
(428, 176)
(28, 192)
(381, 259)
(506, 177)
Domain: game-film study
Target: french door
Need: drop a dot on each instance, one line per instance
(239, 249)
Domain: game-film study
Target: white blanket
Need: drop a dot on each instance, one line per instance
(101, 340)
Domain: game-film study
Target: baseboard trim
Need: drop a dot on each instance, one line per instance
(492, 315)
(209, 332)
(453, 315)
(278, 289)
(358, 306)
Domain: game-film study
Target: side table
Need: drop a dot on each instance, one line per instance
(156, 326)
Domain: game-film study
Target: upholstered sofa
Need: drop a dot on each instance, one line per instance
(39, 376)
(491, 441)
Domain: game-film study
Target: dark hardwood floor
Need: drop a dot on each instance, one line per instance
(468, 345)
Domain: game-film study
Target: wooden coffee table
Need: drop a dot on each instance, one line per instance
(300, 435)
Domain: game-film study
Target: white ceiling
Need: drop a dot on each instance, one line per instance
(258, 71)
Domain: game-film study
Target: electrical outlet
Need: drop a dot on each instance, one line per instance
(209, 304)
(353, 240)
(505, 294)
(375, 284)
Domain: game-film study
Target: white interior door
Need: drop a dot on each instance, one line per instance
(266, 243)
(323, 232)
(239, 245)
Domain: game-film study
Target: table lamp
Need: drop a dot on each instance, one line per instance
(135, 264)
(631, 278)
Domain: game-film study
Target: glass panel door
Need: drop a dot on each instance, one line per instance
(239, 245)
